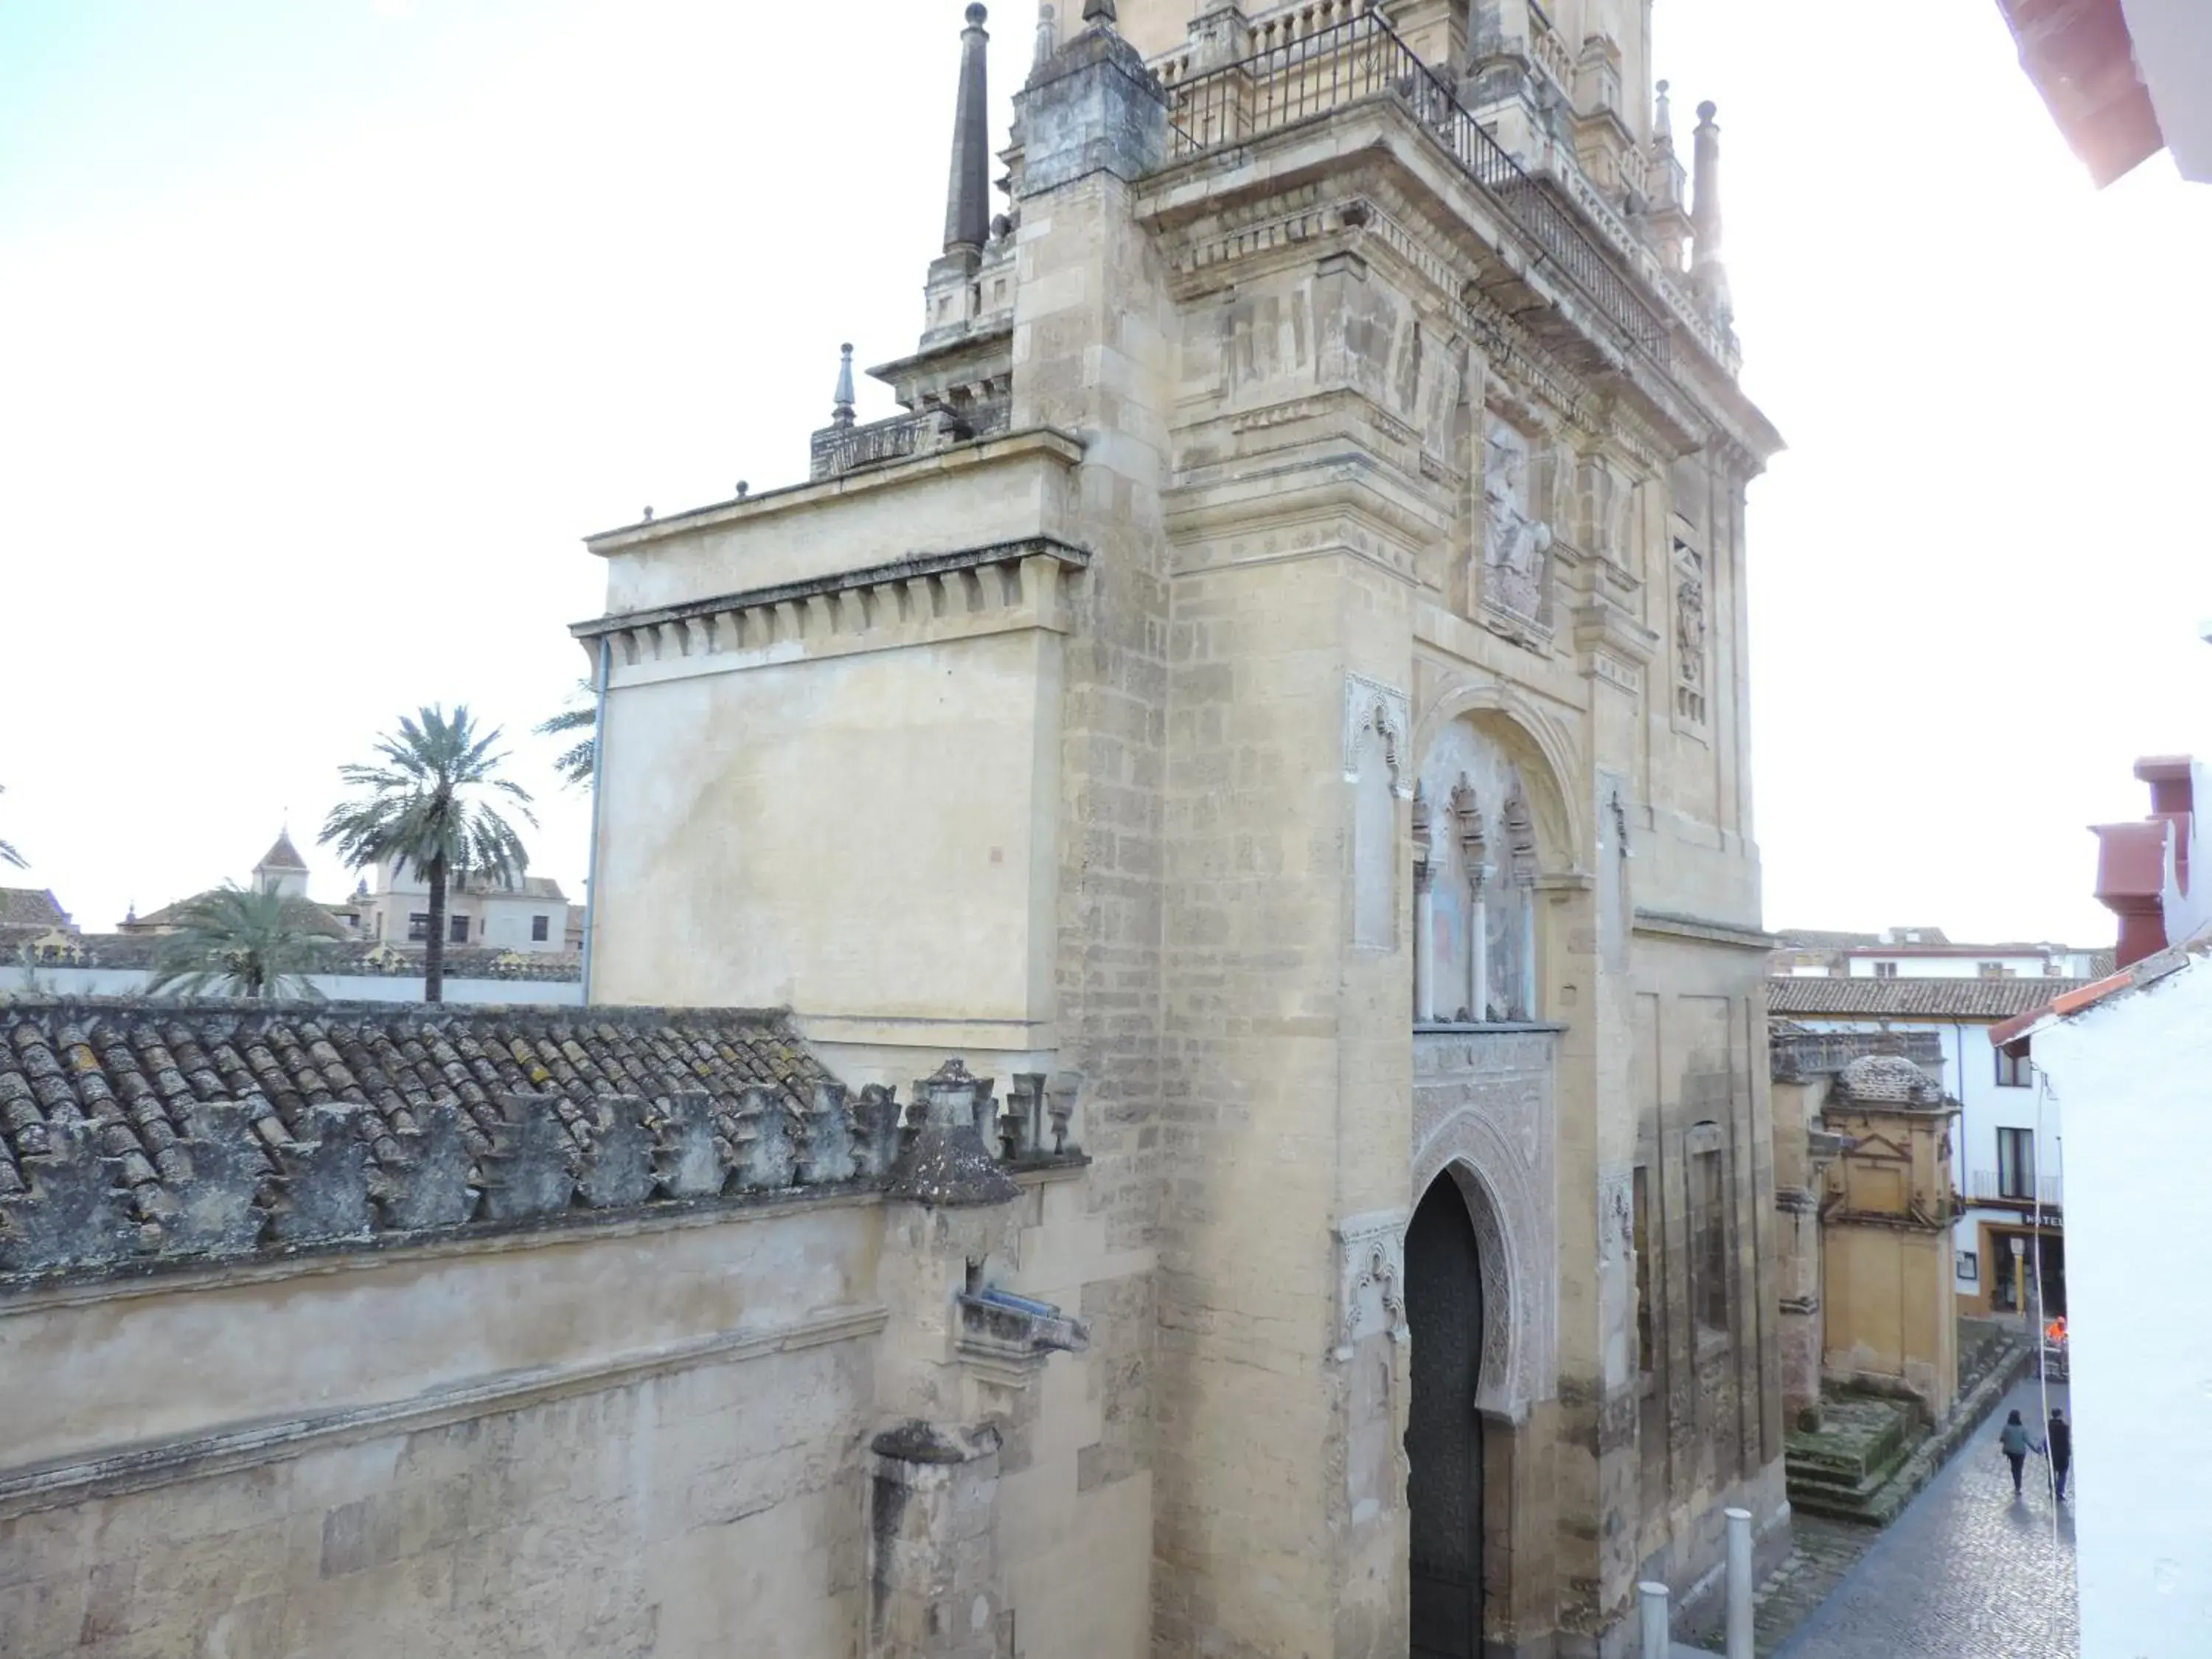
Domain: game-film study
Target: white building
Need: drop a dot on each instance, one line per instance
(2130, 1056)
(524, 912)
(1930, 953)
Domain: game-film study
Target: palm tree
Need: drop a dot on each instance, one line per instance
(239, 943)
(9, 856)
(434, 802)
(576, 763)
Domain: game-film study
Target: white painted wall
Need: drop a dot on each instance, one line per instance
(336, 987)
(1918, 967)
(2133, 1073)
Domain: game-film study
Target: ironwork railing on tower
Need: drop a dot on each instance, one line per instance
(1361, 57)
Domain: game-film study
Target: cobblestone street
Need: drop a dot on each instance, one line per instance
(1966, 1572)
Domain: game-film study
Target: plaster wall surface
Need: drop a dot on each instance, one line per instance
(2130, 1074)
(1931, 967)
(756, 804)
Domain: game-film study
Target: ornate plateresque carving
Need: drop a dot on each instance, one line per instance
(1370, 705)
(1689, 632)
(1482, 1109)
(1371, 1278)
(1516, 577)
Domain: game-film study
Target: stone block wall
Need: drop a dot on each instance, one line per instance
(655, 1518)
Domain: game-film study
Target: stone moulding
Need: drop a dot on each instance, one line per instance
(198, 1457)
(1371, 1279)
(1704, 930)
(1019, 446)
(910, 600)
(1371, 707)
(1483, 1112)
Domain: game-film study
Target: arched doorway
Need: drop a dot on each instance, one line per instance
(1443, 1438)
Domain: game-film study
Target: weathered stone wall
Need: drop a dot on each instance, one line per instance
(658, 1517)
(646, 1435)
(558, 1443)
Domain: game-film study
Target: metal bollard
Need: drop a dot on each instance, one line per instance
(1739, 1583)
(1652, 1599)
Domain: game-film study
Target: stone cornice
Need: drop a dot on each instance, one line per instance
(913, 567)
(922, 599)
(1662, 925)
(1026, 443)
(195, 1458)
(1194, 207)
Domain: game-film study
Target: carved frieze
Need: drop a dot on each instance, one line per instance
(1518, 557)
(1372, 709)
(1483, 1111)
(1371, 1278)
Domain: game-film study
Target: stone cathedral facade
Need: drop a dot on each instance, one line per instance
(1283, 680)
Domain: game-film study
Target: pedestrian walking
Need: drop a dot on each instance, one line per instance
(2013, 1440)
(2058, 1436)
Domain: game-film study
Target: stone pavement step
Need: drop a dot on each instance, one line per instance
(1968, 1571)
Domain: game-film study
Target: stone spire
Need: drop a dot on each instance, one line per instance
(1048, 36)
(1707, 274)
(843, 415)
(1099, 13)
(968, 203)
(1662, 120)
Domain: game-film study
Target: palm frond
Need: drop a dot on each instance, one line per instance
(576, 763)
(239, 943)
(9, 856)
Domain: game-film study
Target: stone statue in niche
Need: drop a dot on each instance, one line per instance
(1690, 629)
(1517, 544)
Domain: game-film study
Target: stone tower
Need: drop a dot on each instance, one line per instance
(1283, 677)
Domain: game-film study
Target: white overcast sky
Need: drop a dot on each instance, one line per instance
(327, 329)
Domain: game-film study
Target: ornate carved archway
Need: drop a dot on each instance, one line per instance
(1482, 1108)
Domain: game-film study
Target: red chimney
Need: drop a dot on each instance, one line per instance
(2131, 857)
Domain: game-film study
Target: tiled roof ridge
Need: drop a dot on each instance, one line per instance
(2081, 996)
(137, 1133)
(1931, 999)
(282, 855)
(133, 1130)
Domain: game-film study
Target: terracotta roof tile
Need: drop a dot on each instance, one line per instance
(1906, 999)
(31, 907)
(116, 1115)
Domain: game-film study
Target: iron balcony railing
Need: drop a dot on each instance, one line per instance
(1361, 58)
(2002, 1187)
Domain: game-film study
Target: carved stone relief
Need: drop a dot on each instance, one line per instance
(1373, 710)
(1371, 1278)
(1690, 630)
(1517, 577)
(1480, 878)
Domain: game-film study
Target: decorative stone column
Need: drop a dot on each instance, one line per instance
(1524, 988)
(1474, 850)
(1424, 929)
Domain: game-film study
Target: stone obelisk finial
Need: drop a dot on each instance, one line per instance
(1707, 274)
(843, 415)
(1048, 35)
(967, 202)
(1099, 12)
(1662, 120)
